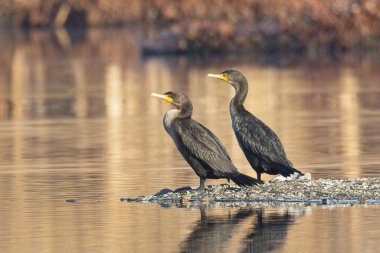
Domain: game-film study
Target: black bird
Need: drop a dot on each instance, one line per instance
(261, 146)
(201, 149)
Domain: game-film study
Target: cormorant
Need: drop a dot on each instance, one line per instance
(201, 149)
(261, 146)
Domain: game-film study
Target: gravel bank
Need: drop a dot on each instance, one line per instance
(320, 191)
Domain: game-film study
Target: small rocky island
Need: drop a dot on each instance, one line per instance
(319, 191)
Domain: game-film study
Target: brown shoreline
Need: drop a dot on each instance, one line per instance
(306, 26)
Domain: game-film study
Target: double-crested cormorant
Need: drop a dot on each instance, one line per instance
(201, 149)
(261, 146)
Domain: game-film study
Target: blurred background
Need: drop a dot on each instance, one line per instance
(307, 26)
(77, 121)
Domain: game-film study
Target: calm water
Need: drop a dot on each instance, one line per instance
(77, 121)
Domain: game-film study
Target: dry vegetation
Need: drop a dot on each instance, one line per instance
(216, 25)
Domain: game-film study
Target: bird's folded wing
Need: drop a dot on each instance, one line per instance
(262, 141)
(204, 146)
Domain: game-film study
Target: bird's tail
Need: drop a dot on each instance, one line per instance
(244, 180)
(286, 171)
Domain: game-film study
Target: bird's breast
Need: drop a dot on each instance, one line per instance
(235, 122)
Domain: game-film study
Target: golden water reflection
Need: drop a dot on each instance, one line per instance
(76, 121)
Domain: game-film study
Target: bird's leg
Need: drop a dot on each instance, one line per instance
(201, 185)
(258, 175)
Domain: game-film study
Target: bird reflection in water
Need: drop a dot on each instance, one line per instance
(248, 230)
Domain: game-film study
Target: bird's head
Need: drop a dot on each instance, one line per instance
(180, 100)
(233, 77)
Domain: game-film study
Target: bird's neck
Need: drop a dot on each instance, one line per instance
(185, 111)
(241, 92)
(173, 114)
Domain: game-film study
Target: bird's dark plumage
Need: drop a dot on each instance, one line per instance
(199, 146)
(261, 146)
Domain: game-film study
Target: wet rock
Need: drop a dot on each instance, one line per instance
(163, 192)
(151, 198)
(181, 189)
(294, 176)
(127, 199)
(138, 199)
(166, 204)
(131, 199)
(72, 200)
(306, 177)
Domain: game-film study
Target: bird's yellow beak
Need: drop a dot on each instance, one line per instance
(219, 76)
(164, 97)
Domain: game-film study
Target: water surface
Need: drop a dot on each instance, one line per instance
(77, 122)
